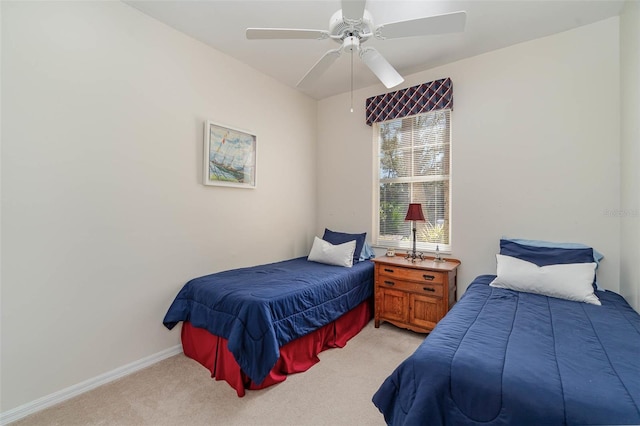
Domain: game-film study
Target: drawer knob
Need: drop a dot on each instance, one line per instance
(429, 289)
(428, 277)
(388, 270)
(389, 283)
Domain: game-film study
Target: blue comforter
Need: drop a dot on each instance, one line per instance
(261, 308)
(504, 357)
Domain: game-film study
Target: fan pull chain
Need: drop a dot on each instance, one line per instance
(352, 80)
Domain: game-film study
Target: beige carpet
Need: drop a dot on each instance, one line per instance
(179, 391)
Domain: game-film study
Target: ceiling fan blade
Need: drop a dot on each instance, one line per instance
(380, 67)
(430, 25)
(353, 9)
(319, 68)
(285, 33)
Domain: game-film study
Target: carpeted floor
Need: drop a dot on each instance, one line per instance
(179, 391)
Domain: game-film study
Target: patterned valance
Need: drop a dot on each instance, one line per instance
(410, 101)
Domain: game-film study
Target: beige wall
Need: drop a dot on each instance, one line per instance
(104, 217)
(630, 194)
(536, 150)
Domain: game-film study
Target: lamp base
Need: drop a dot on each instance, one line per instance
(414, 256)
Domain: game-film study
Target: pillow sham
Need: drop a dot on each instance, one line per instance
(325, 252)
(597, 256)
(549, 253)
(543, 256)
(342, 237)
(570, 281)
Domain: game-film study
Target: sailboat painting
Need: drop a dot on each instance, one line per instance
(229, 156)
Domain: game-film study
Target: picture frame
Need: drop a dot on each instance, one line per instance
(229, 156)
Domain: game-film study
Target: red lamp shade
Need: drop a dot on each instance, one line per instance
(415, 212)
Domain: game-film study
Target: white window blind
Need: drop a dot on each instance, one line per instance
(414, 167)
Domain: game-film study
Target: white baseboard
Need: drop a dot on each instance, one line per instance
(75, 390)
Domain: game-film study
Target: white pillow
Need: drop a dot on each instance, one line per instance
(340, 255)
(572, 281)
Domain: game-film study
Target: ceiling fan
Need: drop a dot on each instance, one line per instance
(353, 25)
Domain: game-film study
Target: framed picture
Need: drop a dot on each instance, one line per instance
(229, 156)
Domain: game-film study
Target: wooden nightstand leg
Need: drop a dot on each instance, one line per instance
(376, 323)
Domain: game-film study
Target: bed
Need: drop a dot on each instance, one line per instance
(503, 356)
(253, 326)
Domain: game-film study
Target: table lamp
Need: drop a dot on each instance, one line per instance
(414, 213)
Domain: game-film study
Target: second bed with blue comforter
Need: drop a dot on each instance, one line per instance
(507, 357)
(261, 308)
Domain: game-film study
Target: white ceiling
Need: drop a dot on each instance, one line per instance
(490, 25)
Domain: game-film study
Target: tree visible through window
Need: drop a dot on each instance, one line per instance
(414, 167)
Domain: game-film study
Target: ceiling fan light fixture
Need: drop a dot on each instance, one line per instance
(351, 43)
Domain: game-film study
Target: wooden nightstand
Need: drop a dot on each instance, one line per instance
(414, 295)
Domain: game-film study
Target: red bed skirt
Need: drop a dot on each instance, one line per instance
(295, 357)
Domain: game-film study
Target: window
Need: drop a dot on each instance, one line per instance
(414, 167)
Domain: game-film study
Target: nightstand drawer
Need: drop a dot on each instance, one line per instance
(418, 275)
(427, 288)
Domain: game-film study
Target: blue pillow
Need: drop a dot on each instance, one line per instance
(342, 237)
(367, 252)
(544, 253)
(597, 256)
(543, 256)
